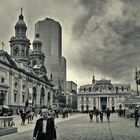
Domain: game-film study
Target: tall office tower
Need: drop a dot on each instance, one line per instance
(50, 34)
(63, 74)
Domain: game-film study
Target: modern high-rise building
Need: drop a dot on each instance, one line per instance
(51, 36)
(63, 74)
(71, 98)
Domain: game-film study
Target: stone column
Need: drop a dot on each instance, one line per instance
(38, 90)
(11, 89)
(108, 102)
(98, 102)
(19, 94)
(115, 102)
(0, 98)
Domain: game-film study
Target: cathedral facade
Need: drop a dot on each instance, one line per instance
(23, 76)
(102, 94)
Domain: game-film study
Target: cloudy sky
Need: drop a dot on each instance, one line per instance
(100, 37)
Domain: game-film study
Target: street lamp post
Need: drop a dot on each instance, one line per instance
(137, 81)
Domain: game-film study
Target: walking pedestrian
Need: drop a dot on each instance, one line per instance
(97, 114)
(101, 116)
(45, 127)
(91, 115)
(108, 112)
(23, 117)
(52, 113)
(136, 114)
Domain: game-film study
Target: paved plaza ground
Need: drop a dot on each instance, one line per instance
(78, 127)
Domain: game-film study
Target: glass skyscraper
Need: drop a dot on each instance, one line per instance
(51, 35)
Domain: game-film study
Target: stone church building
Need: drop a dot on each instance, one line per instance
(23, 76)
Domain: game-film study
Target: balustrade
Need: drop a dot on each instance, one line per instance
(6, 122)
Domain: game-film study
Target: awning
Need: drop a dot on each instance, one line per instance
(4, 106)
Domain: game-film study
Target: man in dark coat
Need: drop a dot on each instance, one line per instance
(97, 114)
(108, 112)
(91, 115)
(45, 128)
(136, 114)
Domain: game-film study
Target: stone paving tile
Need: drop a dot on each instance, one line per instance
(80, 128)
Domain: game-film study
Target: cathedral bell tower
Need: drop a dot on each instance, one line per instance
(37, 57)
(19, 43)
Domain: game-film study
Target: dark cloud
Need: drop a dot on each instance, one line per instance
(99, 36)
(90, 8)
(112, 49)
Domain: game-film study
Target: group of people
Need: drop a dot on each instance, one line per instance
(100, 114)
(26, 115)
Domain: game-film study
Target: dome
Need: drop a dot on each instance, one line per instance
(20, 22)
(103, 85)
(37, 40)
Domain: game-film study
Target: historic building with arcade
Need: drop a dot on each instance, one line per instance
(102, 94)
(23, 76)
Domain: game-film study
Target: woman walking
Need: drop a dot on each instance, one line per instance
(91, 115)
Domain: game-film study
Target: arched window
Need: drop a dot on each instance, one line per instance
(16, 51)
(82, 108)
(89, 89)
(2, 80)
(23, 87)
(82, 100)
(15, 84)
(23, 53)
(87, 99)
(84, 89)
(34, 92)
(42, 97)
(34, 62)
(49, 96)
(15, 96)
(87, 107)
(27, 53)
(122, 88)
(23, 97)
(34, 97)
(117, 89)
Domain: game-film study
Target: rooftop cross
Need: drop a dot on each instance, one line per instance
(21, 10)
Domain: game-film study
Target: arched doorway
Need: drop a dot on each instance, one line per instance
(87, 108)
(34, 97)
(2, 98)
(42, 97)
(49, 98)
(82, 108)
(103, 101)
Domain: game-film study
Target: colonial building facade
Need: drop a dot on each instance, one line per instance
(102, 94)
(23, 79)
